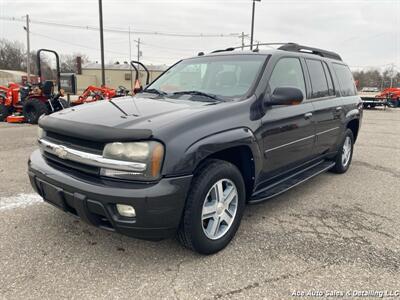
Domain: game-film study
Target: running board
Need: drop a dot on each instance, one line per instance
(291, 181)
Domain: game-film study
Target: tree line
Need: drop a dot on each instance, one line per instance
(374, 78)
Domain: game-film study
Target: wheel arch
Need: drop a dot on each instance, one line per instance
(354, 126)
(237, 146)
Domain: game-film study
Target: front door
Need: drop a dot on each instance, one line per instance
(287, 130)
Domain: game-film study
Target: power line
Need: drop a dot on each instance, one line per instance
(125, 54)
(73, 44)
(125, 31)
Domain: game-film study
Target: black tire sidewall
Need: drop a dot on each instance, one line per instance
(38, 106)
(204, 181)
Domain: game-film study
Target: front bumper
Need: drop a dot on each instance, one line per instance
(158, 206)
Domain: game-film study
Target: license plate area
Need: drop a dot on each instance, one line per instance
(52, 194)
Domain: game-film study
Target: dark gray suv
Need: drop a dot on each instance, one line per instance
(213, 133)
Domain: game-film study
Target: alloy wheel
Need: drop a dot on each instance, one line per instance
(219, 209)
(346, 151)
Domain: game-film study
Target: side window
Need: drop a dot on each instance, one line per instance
(347, 86)
(288, 73)
(319, 83)
(328, 75)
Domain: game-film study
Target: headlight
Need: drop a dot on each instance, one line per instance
(149, 156)
(41, 133)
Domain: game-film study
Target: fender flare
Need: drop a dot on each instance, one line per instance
(196, 152)
(352, 114)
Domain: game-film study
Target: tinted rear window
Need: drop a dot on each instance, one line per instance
(346, 81)
(319, 83)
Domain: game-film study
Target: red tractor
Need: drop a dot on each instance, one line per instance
(29, 103)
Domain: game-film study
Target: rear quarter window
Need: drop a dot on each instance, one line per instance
(346, 80)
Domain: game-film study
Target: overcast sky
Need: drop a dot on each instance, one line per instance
(364, 32)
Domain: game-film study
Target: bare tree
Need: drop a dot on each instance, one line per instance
(69, 64)
(12, 55)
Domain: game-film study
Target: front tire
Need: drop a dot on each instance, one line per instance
(33, 109)
(345, 153)
(214, 207)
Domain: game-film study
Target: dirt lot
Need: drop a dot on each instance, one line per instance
(335, 233)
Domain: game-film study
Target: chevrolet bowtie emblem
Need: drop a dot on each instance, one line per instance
(61, 152)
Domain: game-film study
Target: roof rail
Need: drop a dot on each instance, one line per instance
(223, 50)
(293, 47)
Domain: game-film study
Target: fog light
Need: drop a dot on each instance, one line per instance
(126, 210)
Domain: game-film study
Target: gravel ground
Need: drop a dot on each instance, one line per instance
(334, 234)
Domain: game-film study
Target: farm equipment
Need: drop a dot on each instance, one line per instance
(94, 93)
(391, 96)
(26, 104)
(138, 87)
(42, 98)
(9, 97)
(388, 97)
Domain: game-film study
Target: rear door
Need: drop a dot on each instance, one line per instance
(287, 130)
(328, 110)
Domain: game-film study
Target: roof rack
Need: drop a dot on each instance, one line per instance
(292, 47)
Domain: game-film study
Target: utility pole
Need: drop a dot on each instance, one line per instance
(138, 50)
(138, 54)
(103, 74)
(130, 55)
(242, 36)
(252, 24)
(28, 51)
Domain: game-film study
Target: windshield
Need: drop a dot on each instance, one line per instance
(229, 76)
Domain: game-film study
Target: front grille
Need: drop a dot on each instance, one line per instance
(75, 143)
(58, 163)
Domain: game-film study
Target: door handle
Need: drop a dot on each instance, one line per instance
(339, 108)
(308, 115)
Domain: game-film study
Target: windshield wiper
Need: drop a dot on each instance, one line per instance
(198, 93)
(155, 91)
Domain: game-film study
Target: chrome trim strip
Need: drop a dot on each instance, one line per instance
(90, 159)
(288, 144)
(325, 131)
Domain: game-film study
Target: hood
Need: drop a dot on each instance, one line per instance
(121, 119)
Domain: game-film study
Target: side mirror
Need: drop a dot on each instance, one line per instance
(285, 96)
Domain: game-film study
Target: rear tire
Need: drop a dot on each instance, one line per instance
(4, 112)
(33, 109)
(345, 153)
(214, 207)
